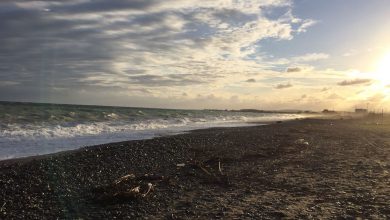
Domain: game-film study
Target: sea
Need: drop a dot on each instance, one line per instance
(28, 129)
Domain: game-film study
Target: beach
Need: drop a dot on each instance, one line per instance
(307, 168)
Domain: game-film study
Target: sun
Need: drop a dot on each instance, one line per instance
(382, 72)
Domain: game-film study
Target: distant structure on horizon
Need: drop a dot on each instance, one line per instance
(327, 111)
(361, 110)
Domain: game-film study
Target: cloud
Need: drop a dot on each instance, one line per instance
(234, 98)
(74, 40)
(305, 25)
(135, 46)
(350, 53)
(376, 98)
(334, 96)
(8, 83)
(293, 69)
(310, 57)
(166, 80)
(354, 82)
(95, 6)
(283, 86)
(325, 89)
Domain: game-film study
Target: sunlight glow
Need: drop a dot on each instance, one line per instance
(383, 69)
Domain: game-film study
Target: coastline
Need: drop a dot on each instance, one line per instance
(22, 140)
(167, 134)
(320, 168)
(25, 159)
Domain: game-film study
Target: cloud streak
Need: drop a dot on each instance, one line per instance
(354, 82)
(310, 57)
(283, 86)
(293, 69)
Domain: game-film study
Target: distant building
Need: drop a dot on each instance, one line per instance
(361, 110)
(326, 111)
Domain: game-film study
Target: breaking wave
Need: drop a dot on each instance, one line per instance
(34, 129)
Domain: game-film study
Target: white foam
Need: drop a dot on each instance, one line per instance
(18, 140)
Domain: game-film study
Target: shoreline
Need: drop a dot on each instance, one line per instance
(37, 129)
(309, 168)
(42, 156)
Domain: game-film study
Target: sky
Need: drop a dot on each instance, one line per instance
(192, 54)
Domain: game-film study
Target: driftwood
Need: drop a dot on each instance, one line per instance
(204, 170)
(136, 192)
(128, 187)
(220, 167)
(2, 207)
(150, 188)
(214, 176)
(124, 178)
(151, 177)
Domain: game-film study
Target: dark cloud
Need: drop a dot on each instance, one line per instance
(233, 16)
(293, 69)
(105, 6)
(50, 47)
(40, 46)
(165, 80)
(354, 82)
(283, 86)
(325, 89)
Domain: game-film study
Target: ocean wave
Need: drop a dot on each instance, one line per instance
(41, 130)
(49, 131)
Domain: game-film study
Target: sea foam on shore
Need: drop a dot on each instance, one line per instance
(34, 129)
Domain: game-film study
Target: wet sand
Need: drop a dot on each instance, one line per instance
(311, 168)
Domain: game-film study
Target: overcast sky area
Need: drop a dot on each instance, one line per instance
(226, 54)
